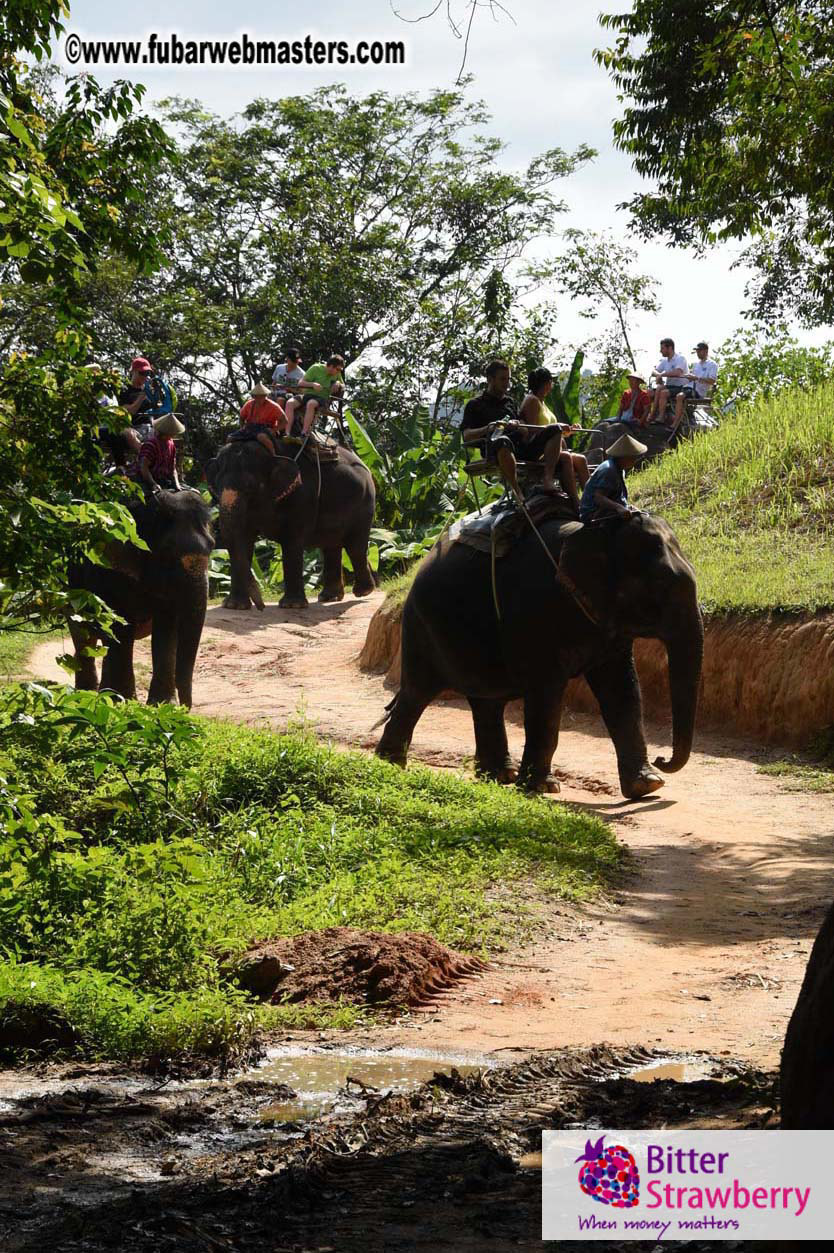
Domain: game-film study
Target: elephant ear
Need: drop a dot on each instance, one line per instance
(585, 570)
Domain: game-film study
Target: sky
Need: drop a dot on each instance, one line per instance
(536, 74)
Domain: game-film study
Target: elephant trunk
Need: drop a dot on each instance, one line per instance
(190, 621)
(685, 649)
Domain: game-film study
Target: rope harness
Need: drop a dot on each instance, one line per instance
(564, 580)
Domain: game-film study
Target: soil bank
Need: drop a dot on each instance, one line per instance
(768, 678)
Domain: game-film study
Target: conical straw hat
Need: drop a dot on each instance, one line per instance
(625, 446)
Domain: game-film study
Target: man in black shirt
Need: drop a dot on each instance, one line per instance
(136, 401)
(509, 442)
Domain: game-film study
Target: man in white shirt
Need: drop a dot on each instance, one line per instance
(704, 372)
(287, 374)
(672, 373)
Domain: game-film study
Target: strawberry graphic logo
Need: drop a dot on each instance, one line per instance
(609, 1175)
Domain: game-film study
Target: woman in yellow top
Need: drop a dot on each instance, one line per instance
(571, 467)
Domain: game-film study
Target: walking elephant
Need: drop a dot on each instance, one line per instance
(301, 505)
(617, 580)
(161, 592)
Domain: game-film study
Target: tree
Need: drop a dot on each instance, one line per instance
(759, 361)
(380, 227)
(729, 109)
(71, 191)
(461, 27)
(599, 273)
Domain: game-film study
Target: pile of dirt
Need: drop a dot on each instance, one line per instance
(362, 967)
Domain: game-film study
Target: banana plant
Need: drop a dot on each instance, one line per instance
(564, 401)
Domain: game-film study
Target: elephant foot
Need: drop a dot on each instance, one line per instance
(506, 773)
(364, 589)
(237, 602)
(647, 781)
(547, 784)
(328, 595)
(293, 602)
(397, 757)
(162, 698)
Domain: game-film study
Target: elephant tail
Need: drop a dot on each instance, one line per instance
(389, 709)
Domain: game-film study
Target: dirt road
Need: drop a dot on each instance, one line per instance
(705, 945)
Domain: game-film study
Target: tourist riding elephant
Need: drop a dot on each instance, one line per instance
(618, 580)
(282, 499)
(161, 592)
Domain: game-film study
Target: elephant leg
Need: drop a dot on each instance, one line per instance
(333, 586)
(363, 576)
(117, 667)
(86, 676)
(189, 632)
(615, 685)
(164, 654)
(406, 710)
(542, 717)
(241, 548)
(492, 754)
(292, 552)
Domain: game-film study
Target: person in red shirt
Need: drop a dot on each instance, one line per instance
(635, 403)
(261, 414)
(157, 462)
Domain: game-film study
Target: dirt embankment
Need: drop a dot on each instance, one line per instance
(769, 678)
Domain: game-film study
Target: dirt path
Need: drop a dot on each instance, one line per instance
(704, 947)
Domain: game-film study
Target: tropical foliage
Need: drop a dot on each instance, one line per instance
(67, 200)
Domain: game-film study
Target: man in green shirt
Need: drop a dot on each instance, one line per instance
(321, 382)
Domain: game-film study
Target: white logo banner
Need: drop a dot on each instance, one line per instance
(687, 1185)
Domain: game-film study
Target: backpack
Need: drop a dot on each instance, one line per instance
(161, 396)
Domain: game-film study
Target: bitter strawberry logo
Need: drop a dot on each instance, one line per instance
(609, 1175)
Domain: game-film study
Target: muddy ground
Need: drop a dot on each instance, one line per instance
(101, 1161)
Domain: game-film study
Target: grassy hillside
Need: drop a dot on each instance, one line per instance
(753, 504)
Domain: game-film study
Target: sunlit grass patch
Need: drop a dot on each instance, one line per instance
(800, 776)
(752, 504)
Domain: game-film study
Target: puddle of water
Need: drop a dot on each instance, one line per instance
(320, 1078)
(681, 1072)
(531, 1161)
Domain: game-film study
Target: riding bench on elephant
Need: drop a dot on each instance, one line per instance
(308, 494)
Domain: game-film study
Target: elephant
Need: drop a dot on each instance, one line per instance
(162, 592)
(301, 505)
(807, 1072)
(534, 629)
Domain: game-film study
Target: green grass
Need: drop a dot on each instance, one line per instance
(800, 776)
(753, 504)
(397, 588)
(125, 920)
